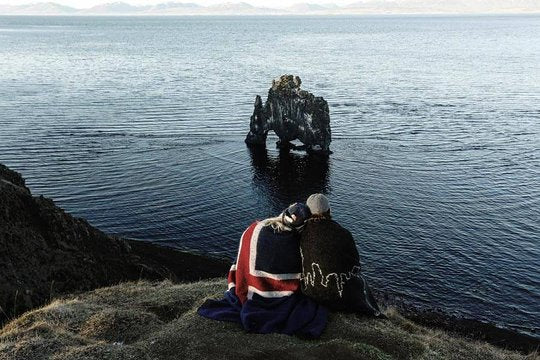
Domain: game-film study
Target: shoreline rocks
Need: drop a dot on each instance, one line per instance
(45, 252)
(293, 114)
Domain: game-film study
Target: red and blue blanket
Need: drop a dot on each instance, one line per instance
(264, 287)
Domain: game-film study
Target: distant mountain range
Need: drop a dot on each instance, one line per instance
(243, 8)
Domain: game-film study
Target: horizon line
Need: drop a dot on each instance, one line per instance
(286, 14)
(244, 8)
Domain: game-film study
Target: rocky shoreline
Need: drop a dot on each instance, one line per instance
(468, 328)
(46, 253)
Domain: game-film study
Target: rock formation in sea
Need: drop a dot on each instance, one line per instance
(292, 113)
(44, 252)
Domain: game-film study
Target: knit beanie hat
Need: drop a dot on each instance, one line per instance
(318, 204)
(295, 215)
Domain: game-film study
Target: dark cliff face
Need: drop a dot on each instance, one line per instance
(292, 113)
(44, 252)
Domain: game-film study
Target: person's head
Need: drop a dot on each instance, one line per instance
(295, 215)
(292, 218)
(319, 206)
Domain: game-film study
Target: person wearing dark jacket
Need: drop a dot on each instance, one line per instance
(331, 264)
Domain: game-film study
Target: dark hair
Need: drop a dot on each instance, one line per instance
(324, 215)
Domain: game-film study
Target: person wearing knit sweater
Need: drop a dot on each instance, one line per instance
(331, 272)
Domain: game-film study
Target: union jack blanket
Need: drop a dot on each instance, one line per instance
(268, 264)
(263, 288)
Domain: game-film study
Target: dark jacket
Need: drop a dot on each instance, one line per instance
(331, 268)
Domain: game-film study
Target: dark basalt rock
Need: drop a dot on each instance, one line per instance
(292, 113)
(45, 252)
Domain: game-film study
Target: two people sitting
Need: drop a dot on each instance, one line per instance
(290, 270)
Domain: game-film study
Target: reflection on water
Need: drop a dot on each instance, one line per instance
(289, 176)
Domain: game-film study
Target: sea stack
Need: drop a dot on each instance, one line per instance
(292, 113)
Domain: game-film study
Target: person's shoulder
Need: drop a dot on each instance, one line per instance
(318, 225)
(336, 227)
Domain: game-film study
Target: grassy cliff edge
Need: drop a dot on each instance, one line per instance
(158, 320)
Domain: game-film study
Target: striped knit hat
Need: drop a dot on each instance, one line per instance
(295, 215)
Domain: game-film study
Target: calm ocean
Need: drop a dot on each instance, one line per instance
(137, 124)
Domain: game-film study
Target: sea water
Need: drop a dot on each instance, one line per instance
(137, 124)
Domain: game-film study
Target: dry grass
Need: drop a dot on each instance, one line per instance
(159, 321)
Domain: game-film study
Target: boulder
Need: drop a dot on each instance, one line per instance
(292, 113)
